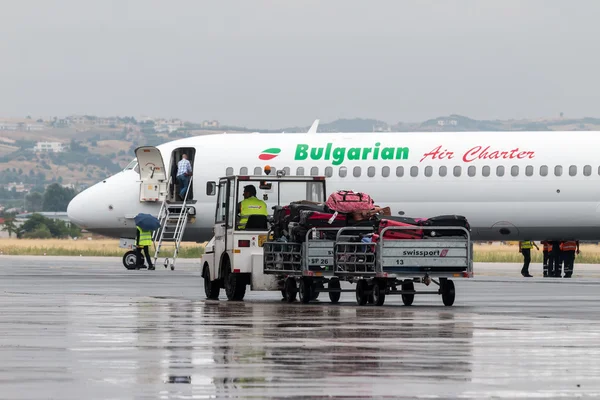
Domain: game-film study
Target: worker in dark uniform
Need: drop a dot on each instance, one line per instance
(546, 246)
(525, 247)
(555, 260)
(569, 248)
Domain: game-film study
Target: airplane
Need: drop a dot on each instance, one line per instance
(509, 185)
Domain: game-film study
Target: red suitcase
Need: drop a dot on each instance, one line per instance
(316, 219)
(400, 233)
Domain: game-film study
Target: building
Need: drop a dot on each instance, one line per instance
(8, 126)
(210, 124)
(18, 187)
(61, 216)
(18, 124)
(35, 127)
(49, 147)
(168, 126)
(3, 234)
(107, 122)
(442, 122)
(80, 119)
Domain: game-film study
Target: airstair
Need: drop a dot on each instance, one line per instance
(173, 219)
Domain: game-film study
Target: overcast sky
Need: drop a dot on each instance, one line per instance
(272, 64)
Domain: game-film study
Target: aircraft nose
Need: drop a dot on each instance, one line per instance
(76, 210)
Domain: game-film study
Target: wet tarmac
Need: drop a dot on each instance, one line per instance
(85, 328)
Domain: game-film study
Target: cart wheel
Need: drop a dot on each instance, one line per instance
(334, 284)
(448, 292)
(166, 264)
(305, 290)
(378, 293)
(408, 299)
(290, 290)
(172, 267)
(314, 295)
(130, 260)
(370, 298)
(361, 297)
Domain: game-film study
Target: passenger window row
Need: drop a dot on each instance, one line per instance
(428, 171)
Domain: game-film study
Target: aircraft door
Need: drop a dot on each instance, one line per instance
(153, 176)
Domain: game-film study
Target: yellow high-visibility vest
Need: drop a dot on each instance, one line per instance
(251, 206)
(145, 237)
(526, 244)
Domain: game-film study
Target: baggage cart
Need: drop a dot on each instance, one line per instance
(305, 268)
(393, 266)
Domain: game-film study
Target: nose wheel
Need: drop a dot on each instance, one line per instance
(130, 260)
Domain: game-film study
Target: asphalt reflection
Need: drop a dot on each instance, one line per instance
(70, 332)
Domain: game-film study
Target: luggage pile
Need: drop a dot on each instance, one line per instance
(347, 208)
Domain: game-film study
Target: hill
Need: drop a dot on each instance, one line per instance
(95, 152)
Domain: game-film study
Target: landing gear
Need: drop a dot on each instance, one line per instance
(130, 260)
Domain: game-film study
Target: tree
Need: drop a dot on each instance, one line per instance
(42, 232)
(57, 198)
(38, 226)
(33, 223)
(77, 148)
(34, 202)
(9, 226)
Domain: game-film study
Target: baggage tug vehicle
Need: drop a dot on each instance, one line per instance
(303, 248)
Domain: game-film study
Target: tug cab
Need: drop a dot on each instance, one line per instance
(233, 258)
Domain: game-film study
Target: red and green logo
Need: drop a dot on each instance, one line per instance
(269, 154)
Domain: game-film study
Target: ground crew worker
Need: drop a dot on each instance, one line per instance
(568, 250)
(547, 248)
(525, 249)
(554, 260)
(143, 239)
(250, 206)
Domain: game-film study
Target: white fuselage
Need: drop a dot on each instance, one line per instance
(509, 185)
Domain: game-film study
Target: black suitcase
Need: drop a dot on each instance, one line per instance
(295, 209)
(298, 234)
(280, 217)
(446, 220)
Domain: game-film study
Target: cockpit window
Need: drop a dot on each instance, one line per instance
(131, 165)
